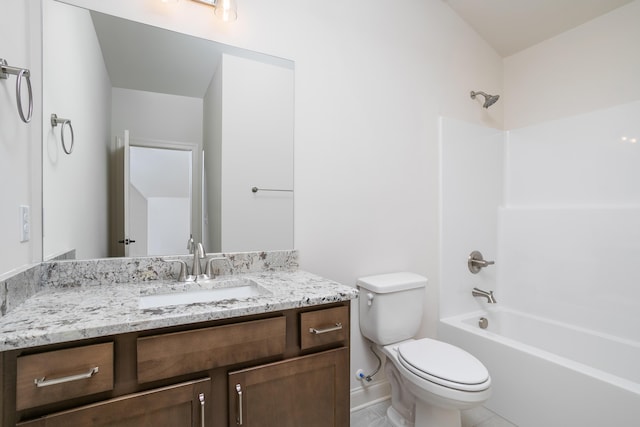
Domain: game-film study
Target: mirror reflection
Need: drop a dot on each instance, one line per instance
(171, 132)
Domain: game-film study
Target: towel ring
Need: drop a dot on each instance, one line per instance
(27, 75)
(5, 70)
(55, 120)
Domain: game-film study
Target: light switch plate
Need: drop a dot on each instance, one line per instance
(25, 223)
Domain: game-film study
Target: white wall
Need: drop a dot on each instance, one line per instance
(158, 116)
(570, 230)
(472, 190)
(369, 87)
(256, 155)
(77, 87)
(593, 66)
(212, 174)
(20, 153)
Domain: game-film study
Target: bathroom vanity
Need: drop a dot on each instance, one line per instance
(277, 359)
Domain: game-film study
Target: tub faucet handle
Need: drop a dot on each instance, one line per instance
(476, 262)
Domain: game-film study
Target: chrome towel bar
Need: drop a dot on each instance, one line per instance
(256, 189)
(5, 70)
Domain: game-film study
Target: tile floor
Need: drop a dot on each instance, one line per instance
(376, 416)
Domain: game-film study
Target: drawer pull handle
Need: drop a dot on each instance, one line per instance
(43, 382)
(315, 331)
(201, 398)
(239, 417)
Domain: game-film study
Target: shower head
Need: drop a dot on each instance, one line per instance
(489, 100)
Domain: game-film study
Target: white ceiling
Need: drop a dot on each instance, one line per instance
(513, 25)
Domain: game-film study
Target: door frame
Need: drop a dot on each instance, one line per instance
(196, 171)
(196, 179)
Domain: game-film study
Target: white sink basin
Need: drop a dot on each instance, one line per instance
(236, 289)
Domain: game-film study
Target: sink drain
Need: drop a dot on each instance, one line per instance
(483, 323)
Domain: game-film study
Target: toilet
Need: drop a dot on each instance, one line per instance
(431, 381)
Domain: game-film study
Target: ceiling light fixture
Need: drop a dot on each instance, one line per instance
(227, 10)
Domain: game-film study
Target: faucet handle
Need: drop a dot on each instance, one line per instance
(476, 262)
(209, 268)
(182, 276)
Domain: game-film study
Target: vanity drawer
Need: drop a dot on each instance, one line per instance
(170, 355)
(63, 374)
(322, 327)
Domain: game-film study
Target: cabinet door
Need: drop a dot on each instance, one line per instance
(181, 405)
(310, 391)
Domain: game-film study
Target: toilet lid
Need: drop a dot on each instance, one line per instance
(444, 364)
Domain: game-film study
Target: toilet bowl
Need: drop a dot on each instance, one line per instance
(431, 381)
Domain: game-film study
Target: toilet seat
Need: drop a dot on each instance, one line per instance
(444, 364)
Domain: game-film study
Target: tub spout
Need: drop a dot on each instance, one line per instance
(487, 294)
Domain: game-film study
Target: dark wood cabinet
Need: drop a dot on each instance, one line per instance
(181, 405)
(310, 391)
(291, 367)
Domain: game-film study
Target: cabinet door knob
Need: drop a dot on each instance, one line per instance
(239, 415)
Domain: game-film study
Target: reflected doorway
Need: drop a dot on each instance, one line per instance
(155, 201)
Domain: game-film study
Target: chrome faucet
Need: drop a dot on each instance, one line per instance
(480, 293)
(196, 270)
(198, 254)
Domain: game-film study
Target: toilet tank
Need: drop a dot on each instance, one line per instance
(391, 306)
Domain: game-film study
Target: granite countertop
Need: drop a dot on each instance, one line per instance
(73, 313)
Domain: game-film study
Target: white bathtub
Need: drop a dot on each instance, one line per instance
(547, 373)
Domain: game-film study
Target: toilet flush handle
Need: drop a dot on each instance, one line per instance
(369, 299)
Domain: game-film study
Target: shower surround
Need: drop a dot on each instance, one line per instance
(557, 205)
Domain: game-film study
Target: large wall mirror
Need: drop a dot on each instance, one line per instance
(172, 135)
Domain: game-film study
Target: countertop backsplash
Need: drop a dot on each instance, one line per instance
(17, 288)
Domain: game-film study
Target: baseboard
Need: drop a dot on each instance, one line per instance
(369, 394)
